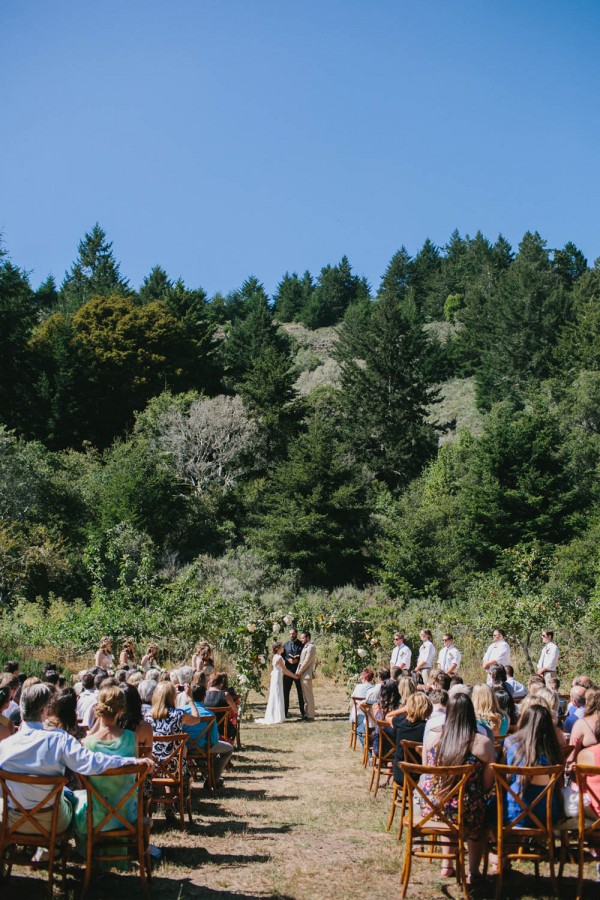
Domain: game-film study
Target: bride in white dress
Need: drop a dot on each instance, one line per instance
(275, 713)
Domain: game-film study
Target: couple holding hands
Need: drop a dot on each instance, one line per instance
(302, 668)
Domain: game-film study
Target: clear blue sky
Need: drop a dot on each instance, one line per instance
(221, 138)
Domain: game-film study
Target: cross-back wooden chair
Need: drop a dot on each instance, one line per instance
(15, 817)
(383, 761)
(108, 827)
(370, 728)
(532, 824)
(169, 786)
(356, 703)
(423, 832)
(222, 715)
(588, 828)
(198, 750)
(412, 752)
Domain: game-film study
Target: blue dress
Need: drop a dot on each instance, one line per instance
(512, 809)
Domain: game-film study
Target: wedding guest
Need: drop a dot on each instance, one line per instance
(487, 711)
(586, 729)
(6, 726)
(222, 750)
(576, 709)
(534, 744)
(409, 727)
(439, 702)
(518, 690)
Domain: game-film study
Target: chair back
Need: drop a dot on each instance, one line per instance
(200, 744)
(538, 810)
(105, 811)
(222, 714)
(435, 806)
(169, 770)
(23, 817)
(583, 774)
(412, 752)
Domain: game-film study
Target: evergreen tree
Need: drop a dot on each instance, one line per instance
(18, 311)
(570, 264)
(155, 285)
(94, 273)
(337, 288)
(579, 344)
(290, 297)
(312, 515)
(46, 295)
(385, 394)
(250, 336)
(425, 282)
(396, 278)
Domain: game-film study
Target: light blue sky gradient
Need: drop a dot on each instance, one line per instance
(232, 137)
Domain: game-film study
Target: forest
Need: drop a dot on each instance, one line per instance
(424, 450)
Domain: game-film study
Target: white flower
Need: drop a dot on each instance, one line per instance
(288, 619)
(262, 659)
(361, 652)
(242, 679)
(251, 627)
(276, 627)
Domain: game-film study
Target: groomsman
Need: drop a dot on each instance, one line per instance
(291, 655)
(426, 655)
(401, 654)
(549, 657)
(449, 658)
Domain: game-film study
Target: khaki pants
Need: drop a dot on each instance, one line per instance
(548, 676)
(309, 697)
(65, 814)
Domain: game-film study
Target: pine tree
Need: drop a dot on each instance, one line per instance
(18, 311)
(46, 295)
(289, 298)
(386, 395)
(396, 278)
(425, 282)
(155, 285)
(570, 264)
(95, 272)
(337, 288)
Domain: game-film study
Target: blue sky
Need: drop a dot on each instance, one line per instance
(232, 137)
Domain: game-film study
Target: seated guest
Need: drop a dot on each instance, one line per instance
(135, 678)
(6, 726)
(409, 727)
(460, 744)
(11, 682)
(63, 713)
(435, 721)
(373, 694)
(388, 703)
(221, 749)
(184, 675)
(518, 690)
(442, 681)
(220, 694)
(554, 683)
(534, 683)
(533, 744)
(576, 709)
(454, 680)
(146, 690)
(132, 719)
(360, 690)
(586, 730)
(35, 751)
(487, 711)
(165, 719)
(88, 695)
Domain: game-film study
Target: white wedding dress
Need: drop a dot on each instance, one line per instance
(275, 713)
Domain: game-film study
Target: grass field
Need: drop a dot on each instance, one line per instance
(294, 822)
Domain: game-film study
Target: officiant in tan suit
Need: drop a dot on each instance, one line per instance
(306, 671)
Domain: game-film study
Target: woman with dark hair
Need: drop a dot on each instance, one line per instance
(534, 744)
(220, 694)
(459, 744)
(389, 700)
(63, 714)
(133, 720)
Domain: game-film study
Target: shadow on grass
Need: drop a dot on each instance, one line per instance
(192, 857)
(256, 748)
(219, 829)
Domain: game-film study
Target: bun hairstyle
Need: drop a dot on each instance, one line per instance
(277, 646)
(111, 703)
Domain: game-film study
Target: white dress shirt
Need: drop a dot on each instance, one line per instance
(549, 657)
(448, 656)
(426, 655)
(401, 656)
(500, 651)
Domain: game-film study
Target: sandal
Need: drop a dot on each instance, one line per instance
(448, 871)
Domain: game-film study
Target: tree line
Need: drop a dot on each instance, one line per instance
(143, 430)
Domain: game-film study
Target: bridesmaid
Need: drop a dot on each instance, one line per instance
(104, 658)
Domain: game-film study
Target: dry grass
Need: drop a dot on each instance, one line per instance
(295, 822)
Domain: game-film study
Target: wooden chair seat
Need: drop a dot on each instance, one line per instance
(198, 755)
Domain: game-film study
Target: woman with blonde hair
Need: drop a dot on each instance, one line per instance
(487, 710)
(127, 654)
(409, 727)
(165, 719)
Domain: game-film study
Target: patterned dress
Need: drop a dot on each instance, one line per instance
(474, 797)
(171, 724)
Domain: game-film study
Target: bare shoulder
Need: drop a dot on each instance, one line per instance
(483, 747)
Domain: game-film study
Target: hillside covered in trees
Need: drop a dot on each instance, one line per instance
(308, 440)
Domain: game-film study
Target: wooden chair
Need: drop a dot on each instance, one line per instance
(169, 786)
(13, 821)
(514, 839)
(423, 833)
(198, 751)
(383, 762)
(222, 715)
(356, 704)
(587, 828)
(128, 840)
(412, 752)
(370, 728)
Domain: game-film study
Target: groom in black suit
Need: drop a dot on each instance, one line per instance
(291, 656)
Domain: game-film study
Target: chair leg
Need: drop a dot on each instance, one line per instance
(580, 869)
(181, 805)
(377, 769)
(393, 809)
(88, 868)
(405, 878)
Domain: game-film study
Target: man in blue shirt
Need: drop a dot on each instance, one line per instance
(222, 750)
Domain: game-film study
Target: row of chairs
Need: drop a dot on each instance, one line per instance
(23, 827)
(432, 834)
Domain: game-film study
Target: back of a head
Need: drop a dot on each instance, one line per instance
(418, 707)
(550, 697)
(199, 693)
(439, 697)
(406, 687)
(146, 690)
(592, 701)
(63, 707)
(165, 697)
(583, 681)
(12, 666)
(135, 678)
(88, 681)
(535, 741)
(389, 697)
(458, 733)
(442, 681)
(132, 714)
(498, 673)
(185, 675)
(33, 701)
(383, 675)
(111, 702)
